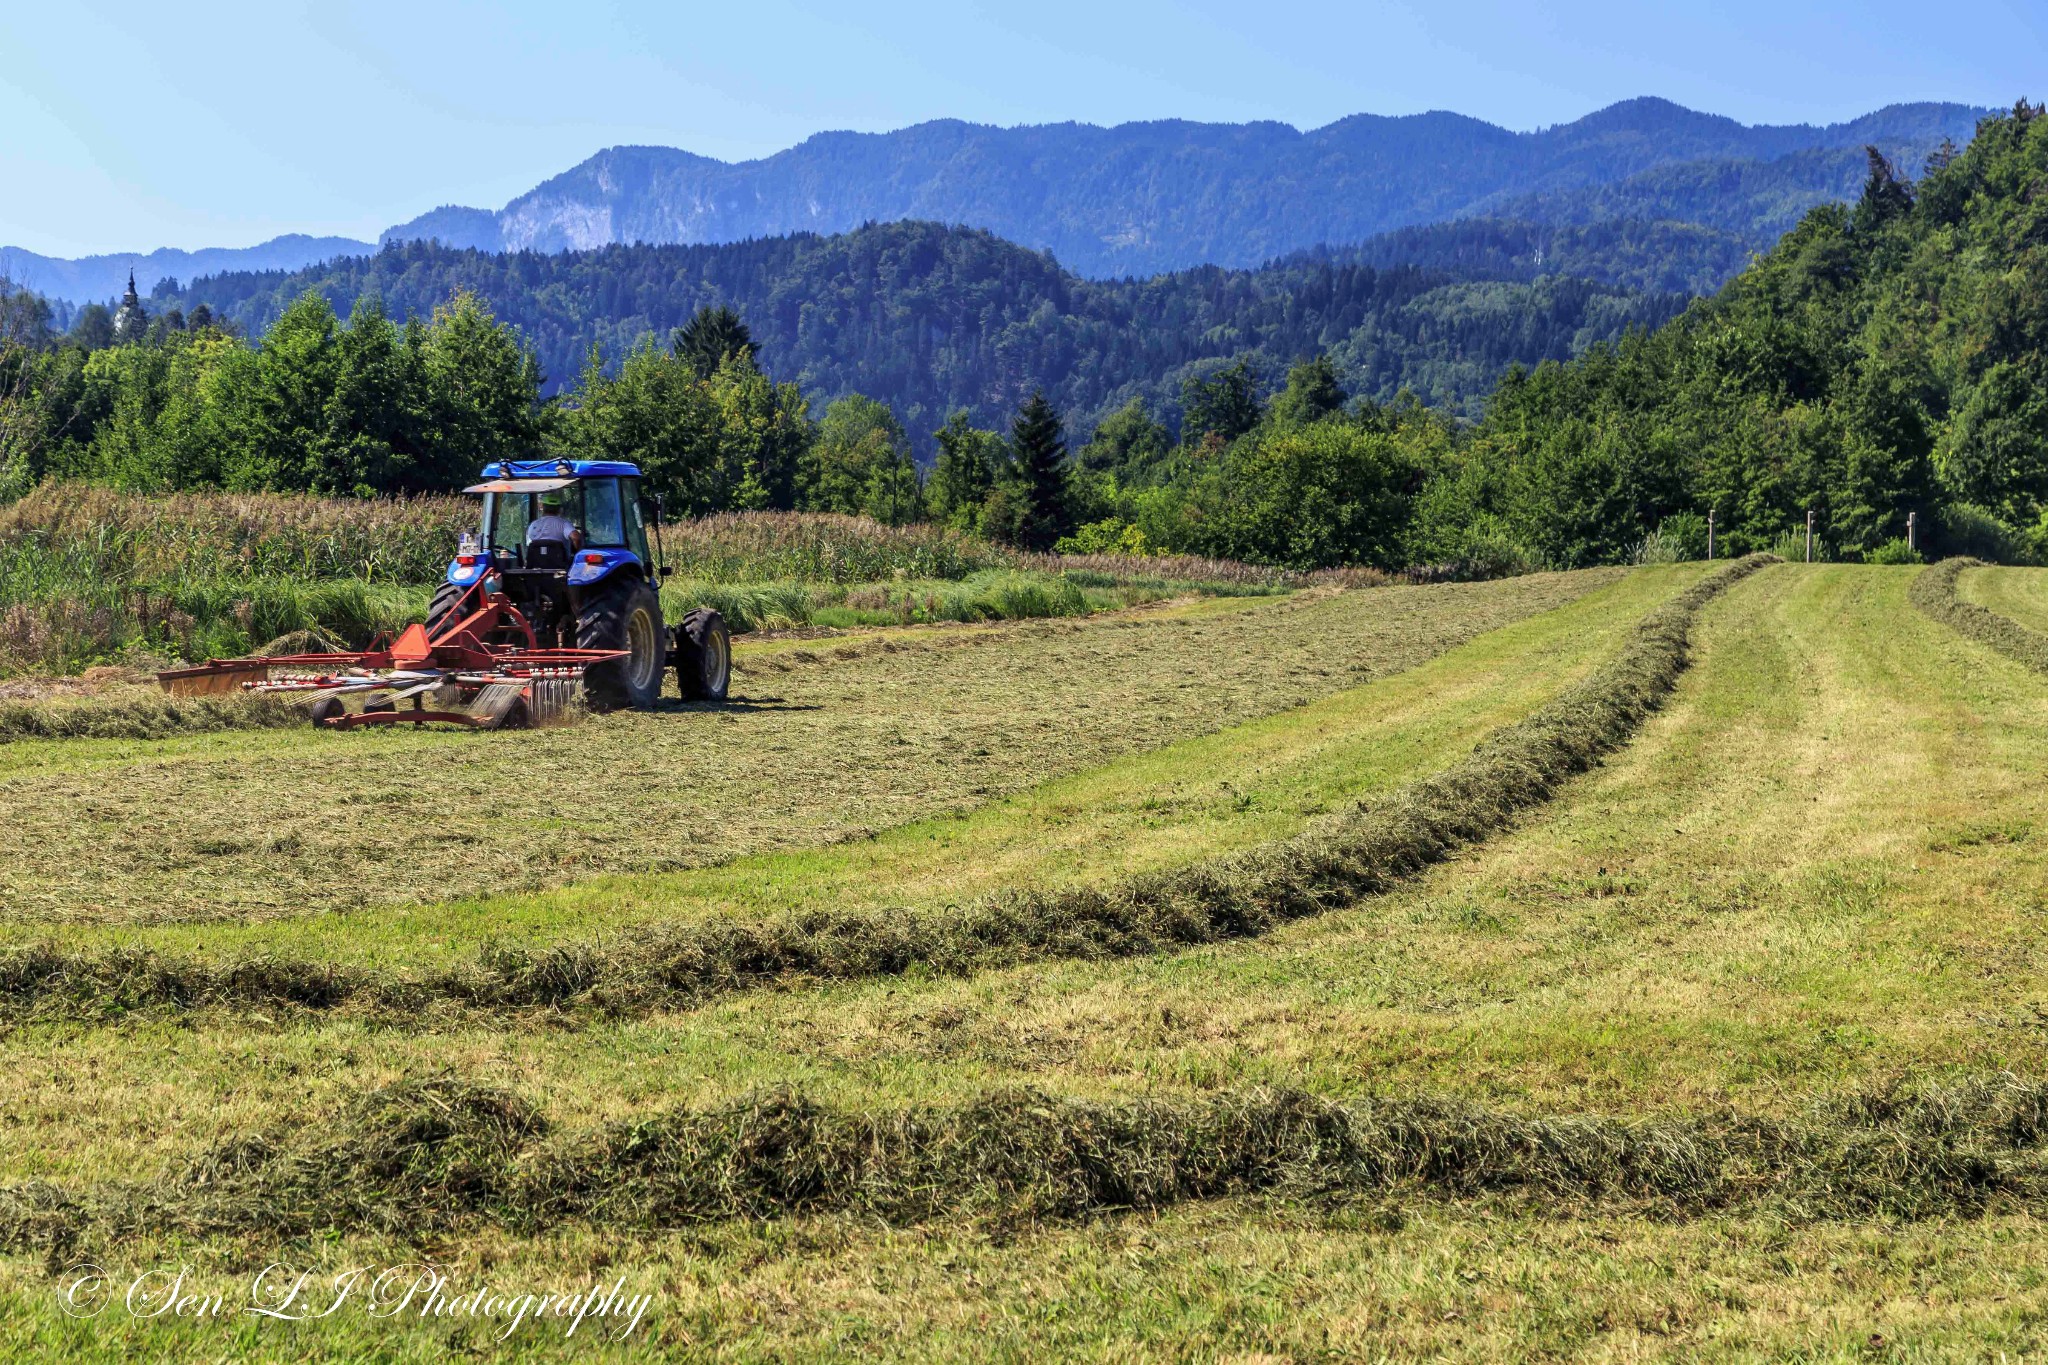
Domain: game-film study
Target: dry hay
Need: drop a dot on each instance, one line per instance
(139, 712)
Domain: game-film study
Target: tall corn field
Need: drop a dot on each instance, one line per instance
(93, 575)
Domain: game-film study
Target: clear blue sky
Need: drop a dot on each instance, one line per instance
(126, 126)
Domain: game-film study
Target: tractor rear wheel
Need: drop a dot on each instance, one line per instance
(447, 598)
(623, 614)
(703, 656)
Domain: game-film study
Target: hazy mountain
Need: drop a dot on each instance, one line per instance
(1141, 198)
(1146, 197)
(100, 278)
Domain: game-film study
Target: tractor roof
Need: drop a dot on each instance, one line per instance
(561, 469)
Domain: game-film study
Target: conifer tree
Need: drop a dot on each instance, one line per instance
(1040, 467)
(1313, 392)
(710, 338)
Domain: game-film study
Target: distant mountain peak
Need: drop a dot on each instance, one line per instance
(1131, 199)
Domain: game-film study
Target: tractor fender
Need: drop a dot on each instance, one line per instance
(589, 567)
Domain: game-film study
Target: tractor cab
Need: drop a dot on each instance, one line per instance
(555, 526)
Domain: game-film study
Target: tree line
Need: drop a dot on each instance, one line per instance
(931, 319)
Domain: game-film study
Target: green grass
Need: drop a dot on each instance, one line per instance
(1816, 870)
(832, 745)
(1356, 848)
(2018, 594)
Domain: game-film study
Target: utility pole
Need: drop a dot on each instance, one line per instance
(1912, 523)
(1710, 535)
(1809, 535)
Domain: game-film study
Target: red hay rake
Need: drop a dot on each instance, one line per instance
(483, 668)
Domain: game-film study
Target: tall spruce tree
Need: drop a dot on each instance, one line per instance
(1886, 193)
(1040, 467)
(710, 338)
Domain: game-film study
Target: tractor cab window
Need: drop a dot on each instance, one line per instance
(604, 522)
(505, 519)
(636, 525)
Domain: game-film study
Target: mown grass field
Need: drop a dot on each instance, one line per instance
(823, 740)
(1815, 873)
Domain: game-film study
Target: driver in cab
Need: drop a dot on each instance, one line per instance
(551, 525)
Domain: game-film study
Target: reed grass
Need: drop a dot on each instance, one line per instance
(822, 547)
(985, 595)
(180, 537)
(90, 575)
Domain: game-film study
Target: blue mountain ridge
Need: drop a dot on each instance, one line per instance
(1141, 198)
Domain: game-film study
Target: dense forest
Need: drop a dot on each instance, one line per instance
(1887, 360)
(930, 319)
(1884, 359)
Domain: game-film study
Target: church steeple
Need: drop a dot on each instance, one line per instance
(132, 318)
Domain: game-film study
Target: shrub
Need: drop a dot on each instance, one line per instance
(1970, 532)
(1110, 536)
(1678, 539)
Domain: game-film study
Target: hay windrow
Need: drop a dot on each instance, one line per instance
(1337, 860)
(144, 713)
(425, 1157)
(1934, 593)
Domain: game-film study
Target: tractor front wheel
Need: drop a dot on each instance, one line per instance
(623, 614)
(447, 598)
(703, 656)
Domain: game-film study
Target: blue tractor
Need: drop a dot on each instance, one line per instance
(565, 545)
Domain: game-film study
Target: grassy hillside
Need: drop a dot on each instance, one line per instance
(1723, 1052)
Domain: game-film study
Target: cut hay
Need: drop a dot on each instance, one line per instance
(424, 1157)
(1338, 860)
(142, 713)
(1934, 593)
